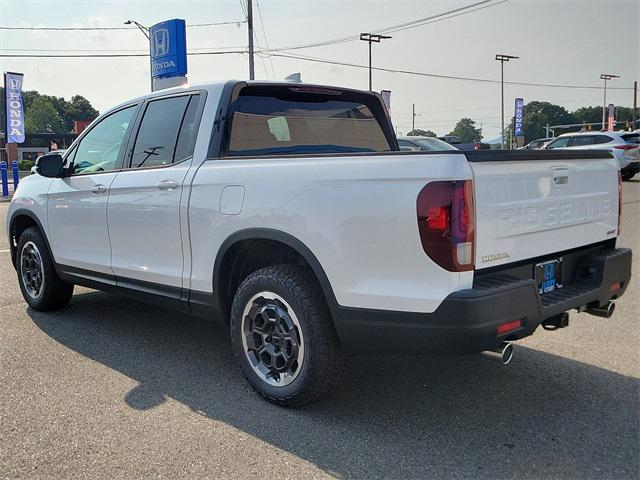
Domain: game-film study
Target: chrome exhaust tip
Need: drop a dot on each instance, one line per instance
(604, 312)
(503, 354)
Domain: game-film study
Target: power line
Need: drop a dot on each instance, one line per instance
(404, 26)
(264, 34)
(105, 55)
(67, 29)
(435, 75)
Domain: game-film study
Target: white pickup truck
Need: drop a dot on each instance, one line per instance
(288, 212)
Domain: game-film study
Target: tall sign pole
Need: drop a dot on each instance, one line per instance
(502, 58)
(250, 29)
(635, 103)
(605, 77)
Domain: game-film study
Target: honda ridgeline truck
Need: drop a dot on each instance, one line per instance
(288, 212)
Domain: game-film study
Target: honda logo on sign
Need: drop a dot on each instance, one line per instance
(160, 42)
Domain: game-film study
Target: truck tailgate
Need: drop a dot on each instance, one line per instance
(535, 203)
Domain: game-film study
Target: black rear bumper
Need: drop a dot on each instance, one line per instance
(467, 321)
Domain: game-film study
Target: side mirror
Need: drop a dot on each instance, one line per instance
(51, 165)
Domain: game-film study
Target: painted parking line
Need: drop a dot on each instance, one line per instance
(5, 251)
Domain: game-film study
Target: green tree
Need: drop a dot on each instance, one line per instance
(466, 129)
(42, 117)
(81, 109)
(417, 132)
(538, 114)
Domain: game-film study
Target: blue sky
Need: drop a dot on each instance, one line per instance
(560, 42)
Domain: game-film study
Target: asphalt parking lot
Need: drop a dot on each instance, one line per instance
(113, 388)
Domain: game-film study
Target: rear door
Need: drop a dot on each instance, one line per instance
(144, 213)
(531, 204)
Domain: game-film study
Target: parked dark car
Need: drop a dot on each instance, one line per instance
(460, 145)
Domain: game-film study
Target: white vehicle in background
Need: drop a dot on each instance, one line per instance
(287, 212)
(536, 144)
(424, 144)
(625, 147)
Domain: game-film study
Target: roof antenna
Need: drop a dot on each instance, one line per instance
(294, 78)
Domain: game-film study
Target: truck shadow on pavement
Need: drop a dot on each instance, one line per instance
(399, 416)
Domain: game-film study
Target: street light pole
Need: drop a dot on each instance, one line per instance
(372, 37)
(250, 29)
(605, 77)
(502, 58)
(145, 32)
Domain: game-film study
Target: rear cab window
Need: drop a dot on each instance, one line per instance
(301, 120)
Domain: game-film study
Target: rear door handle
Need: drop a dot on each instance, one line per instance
(98, 189)
(167, 185)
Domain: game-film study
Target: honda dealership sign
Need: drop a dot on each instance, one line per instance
(517, 121)
(168, 49)
(15, 112)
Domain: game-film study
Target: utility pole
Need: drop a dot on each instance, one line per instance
(502, 58)
(250, 28)
(413, 118)
(635, 103)
(372, 37)
(605, 77)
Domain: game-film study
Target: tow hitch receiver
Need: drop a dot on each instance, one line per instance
(554, 323)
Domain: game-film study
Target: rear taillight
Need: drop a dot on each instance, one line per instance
(619, 202)
(446, 222)
(625, 147)
(476, 146)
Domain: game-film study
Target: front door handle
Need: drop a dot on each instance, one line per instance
(167, 185)
(98, 189)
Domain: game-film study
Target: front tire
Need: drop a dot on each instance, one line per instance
(283, 337)
(39, 283)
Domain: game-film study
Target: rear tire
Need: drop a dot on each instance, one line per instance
(627, 174)
(283, 337)
(39, 283)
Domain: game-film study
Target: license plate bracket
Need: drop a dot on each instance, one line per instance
(548, 275)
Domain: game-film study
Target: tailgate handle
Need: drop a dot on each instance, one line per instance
(560, 176)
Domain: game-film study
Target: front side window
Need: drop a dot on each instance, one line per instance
(304, 120)
(99, 149)
(157, 137)
(559, 143)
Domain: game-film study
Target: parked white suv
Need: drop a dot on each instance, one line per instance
(288, 212)
(625, 146)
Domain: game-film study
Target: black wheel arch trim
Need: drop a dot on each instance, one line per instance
(23, 212)
(282, 237)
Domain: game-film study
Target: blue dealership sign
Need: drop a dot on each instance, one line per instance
(168, 49)
(517, 122)
(14, 110)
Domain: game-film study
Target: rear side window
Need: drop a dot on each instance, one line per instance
(268, 120)
(603, 139)
(188, 130)
(581, 141)
(157, 137)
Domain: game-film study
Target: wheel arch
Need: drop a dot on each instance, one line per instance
(20, 220)
(227, 251)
